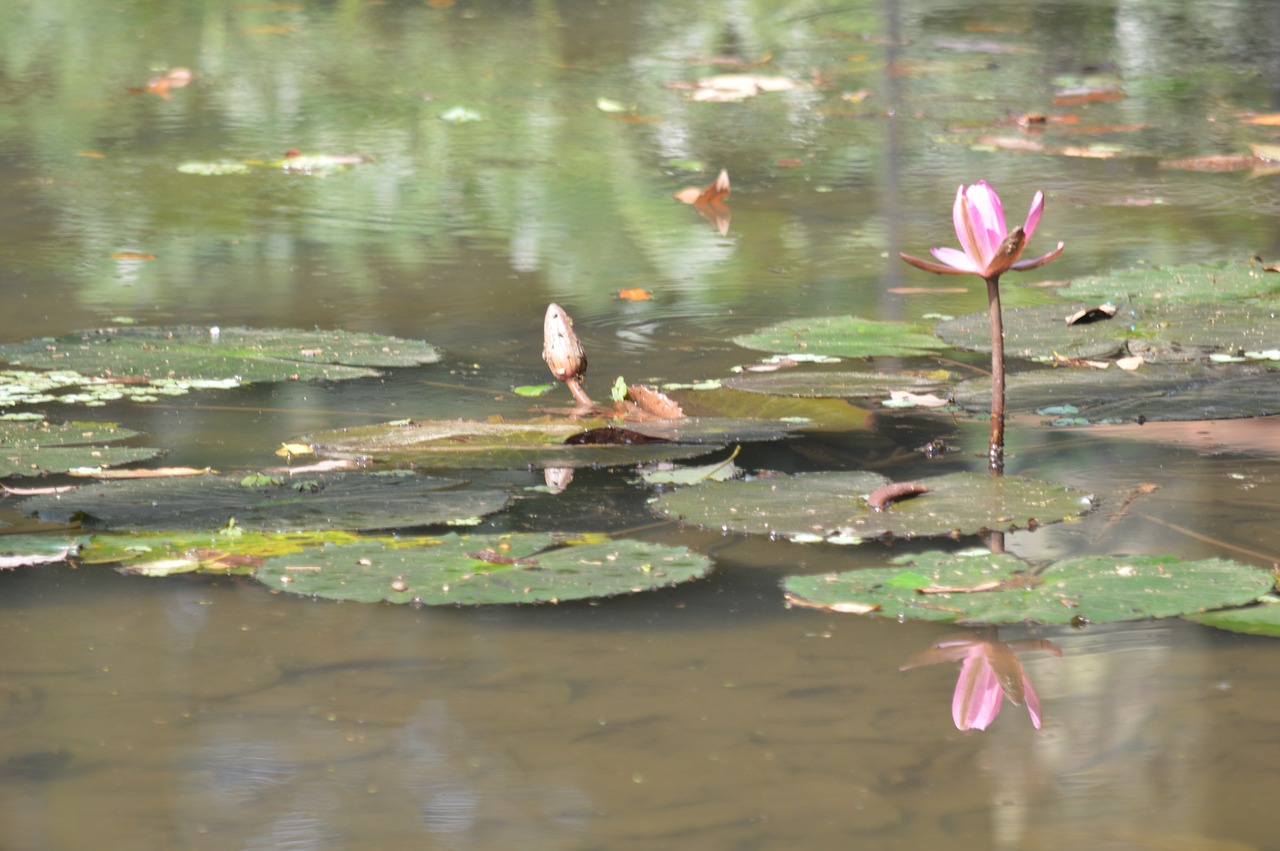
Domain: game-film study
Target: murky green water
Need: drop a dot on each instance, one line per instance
(212, 714)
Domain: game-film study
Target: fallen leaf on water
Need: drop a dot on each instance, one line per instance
(326, 466)
(1073, 97)
(1087, 153)
(710, 201)
(95, 155)
(880, 498)
(1079, 363)
(149, 473)
(907, 399)
(36, 491)
(174, 78)
(843, 607)
(132, 255)
(635, 294)
(654, 402)
(1269, 119)
(735, 87)
(1087, 315)
(1130, 363)
(1012, 143)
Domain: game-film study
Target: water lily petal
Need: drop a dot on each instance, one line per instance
(1033, 216)
(1023, 265)
(954, 257)
(936, 268)
(1032, 699)
(966, 229)
(988, 218)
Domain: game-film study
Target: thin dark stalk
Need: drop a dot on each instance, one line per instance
(995, 452)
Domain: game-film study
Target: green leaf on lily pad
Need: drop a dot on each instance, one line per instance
(33, 448)
(972, 587)
(822, 506)
(1209, 282)
(325, 501)
(463, 444)
(843, 336)
(465, 570)
(1168, 393)
(185, 358)
(1262, 619)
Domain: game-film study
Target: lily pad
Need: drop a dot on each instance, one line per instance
(1037, 332)
(1174, 393)
(463, 444)
(833, 385)
(1000, 589)
(33, 448)
(26, 550)
(1262, 619)
(843, 336)
(323, 501)
(235, 355)
(1209, 282)
(823, 506)
(465, 570)
(773, 413)
(227, 550)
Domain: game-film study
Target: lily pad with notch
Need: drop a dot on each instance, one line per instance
(833, 506)
(981, 587)
(35, 448)
(476, 570)
(843, 336)
(323, 501)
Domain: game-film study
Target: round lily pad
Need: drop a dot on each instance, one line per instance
(1262, 619)
(1206, 282)
(323, 501)
(1169, 393)
(1037, 332)
(240, 354)
(833, 505)
(464, 444)
(465, 570)
(843, 336)
(973, 587)
(33, 448)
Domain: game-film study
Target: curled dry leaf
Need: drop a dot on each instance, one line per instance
(174, 78)
(654, 401)
(635, 294)
(710, 201)
(880, 498)
(1087, 315)
(37, 491)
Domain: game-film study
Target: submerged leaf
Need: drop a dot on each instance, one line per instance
(461, 570)
(996, 589)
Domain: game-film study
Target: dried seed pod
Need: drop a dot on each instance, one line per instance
(563, 352)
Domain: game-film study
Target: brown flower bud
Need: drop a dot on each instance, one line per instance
(561, 348)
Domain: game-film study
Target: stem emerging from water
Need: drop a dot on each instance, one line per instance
(995, 452)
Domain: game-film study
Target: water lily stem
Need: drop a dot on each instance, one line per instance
(995, 453)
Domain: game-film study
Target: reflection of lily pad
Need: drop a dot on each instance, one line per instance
(37, 447)
(1262, 619)
(843, 336)
(323, 501)
(468, 570)
(1203, 282)
(834, 385)
(238, 355)
(459, 444)
(833, 505)
(1113, 395)
(1092, 589)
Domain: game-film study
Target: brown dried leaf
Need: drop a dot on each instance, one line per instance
(655, 402)
(147, 473)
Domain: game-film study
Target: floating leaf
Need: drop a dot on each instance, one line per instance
(976, 587)
(207, 552)
(1211, 282)
(463, 570)
(1262, 619)
(27, 550)
(670, 474)
(458, 444)
(36, 448)
(171, 361)
(533, 389)
(836, 385)
(843, 336)
(215, 168)
(834, 504)
(1169, 393)
(325, 501)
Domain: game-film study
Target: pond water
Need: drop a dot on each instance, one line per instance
(210, 713)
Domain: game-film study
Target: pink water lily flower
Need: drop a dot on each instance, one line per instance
(989, 673)
(990, 249)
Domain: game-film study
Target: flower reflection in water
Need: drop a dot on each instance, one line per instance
(989, 672)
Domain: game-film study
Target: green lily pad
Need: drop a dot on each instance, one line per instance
(1090, 589)
(33, 448)
(1172, 393)
(465, 570)
(1038, 332)
(832, 385)
(843, 336)
(227, 550)
(228, 356)
(324, 501)
(777, 413)
(26, 550)
(463, 444)
(1208, 282)
(1262, 619)
(823, 506)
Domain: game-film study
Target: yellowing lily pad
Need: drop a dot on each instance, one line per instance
(312, 502)
(34, 448)
(843, 336)
(227, 550)
(979, 587)
(833, 505)
(466, 570)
